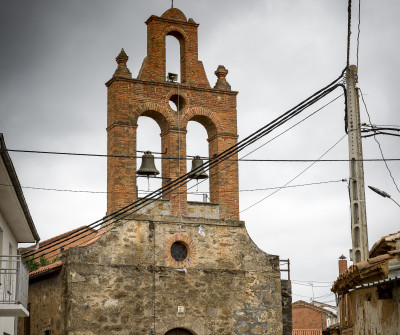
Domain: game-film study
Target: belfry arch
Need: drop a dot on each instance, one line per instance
(179, 36)
(197, 145)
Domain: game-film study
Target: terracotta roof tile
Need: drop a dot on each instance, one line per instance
(360, 272)
(45, 269)
(384, 244)
(51, 252)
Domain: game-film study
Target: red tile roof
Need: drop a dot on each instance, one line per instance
(61, 243)
(45, 270)
(72, 238)
(368, 271)
(384, 244)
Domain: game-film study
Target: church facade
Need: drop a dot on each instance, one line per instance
(172, 266)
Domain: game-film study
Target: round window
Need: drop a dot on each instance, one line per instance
(176, 102)
(179, 251)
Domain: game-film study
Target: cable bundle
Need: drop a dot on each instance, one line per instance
(182, 180)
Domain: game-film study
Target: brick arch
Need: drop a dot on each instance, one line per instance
(178, 33)
(208, 119)
(161, 115)
(191, 257)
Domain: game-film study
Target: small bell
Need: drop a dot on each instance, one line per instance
(200, 174)
(148, 167)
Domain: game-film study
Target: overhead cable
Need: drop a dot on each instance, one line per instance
(144, 191)
(294, 178)
(358, 33)
(180, 181)
(348, 32)
(379, 145)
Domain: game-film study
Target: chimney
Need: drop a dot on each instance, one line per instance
(342, 264)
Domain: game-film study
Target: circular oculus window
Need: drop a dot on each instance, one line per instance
(179, 251)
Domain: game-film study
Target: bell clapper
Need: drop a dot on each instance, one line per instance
(148, 183)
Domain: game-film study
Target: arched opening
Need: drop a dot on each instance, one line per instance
(174, 54)
(148, 139)
(357, 256)
(197, 145)
(354, 189)
(178, 331)
(356, 233)
(353, 168)
(355, 213)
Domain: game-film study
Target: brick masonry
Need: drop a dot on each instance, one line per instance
(149, 95)
(307, 316)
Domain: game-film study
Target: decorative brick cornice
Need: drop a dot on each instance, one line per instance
(121, 124)
(167, 83)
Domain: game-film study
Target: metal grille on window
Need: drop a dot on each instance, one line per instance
(179, 251)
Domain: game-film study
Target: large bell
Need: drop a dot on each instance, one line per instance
(148, 167)
(200, 174)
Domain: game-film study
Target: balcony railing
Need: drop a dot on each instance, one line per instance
(14, 281)
(306, 332)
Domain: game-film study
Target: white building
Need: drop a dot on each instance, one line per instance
(16, 226)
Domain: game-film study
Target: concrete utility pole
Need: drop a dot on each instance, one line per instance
(357, 191)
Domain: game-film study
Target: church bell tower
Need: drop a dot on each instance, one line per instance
(149, 95)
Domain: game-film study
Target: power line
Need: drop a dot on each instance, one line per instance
(298, 175)
(144, 191)
(242, 158)
(187, 156)
(348, 32)
(313, 281)
(208, 158)
(358, 34)
(379, 145)
(296, 124)
(180, 181)
(304, 284)
(171, 186)
(320, 161)
(379, 130)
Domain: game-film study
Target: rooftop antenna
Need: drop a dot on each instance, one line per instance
(172, 4)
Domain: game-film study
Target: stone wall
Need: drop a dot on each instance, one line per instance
(128, 283)
(286, 289)
(45, 305)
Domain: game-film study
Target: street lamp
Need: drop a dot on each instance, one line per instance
(383, 194)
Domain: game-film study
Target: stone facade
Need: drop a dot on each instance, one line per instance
(130, 279)
(286, 289)
(125, 283)
(46, 305)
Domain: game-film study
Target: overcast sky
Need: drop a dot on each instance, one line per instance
(56, 56)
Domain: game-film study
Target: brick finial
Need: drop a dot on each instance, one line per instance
(342, 264)
(222, 84)
(122, 70)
